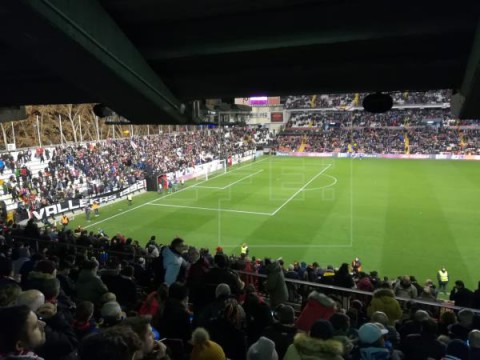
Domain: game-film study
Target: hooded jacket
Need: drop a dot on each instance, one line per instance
(319, 306)
(384, 300)
(305, 347)
(276, 286)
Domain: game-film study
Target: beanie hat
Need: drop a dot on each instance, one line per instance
(322, 329)
(222, 290)
(204, 348)
(263, 349)
(458, 349)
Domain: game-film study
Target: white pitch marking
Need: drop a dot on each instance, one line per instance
(245, 177)
(213, 209)
(301, 189)
(335, 180)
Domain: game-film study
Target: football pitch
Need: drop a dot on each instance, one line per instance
(398, 216)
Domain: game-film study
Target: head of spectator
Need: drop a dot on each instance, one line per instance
(220, 260)
(193, 255)
(204, 348)
(380, 317)
(21, 331)
(117, 343)
(285, 314)
(9, 293)
(263, 349)
(231, 312)
(459, 285)
(178, 245)
(112, 314)
(222, 291)
(107, 297)
(84, 311)
(6, 268)
(90, 266)
(465, 318)
(371, 335)
(322, 329)
(141, 326)
(420, 316)
(178, 292)
(457, 349)
(34, 299)
(474, 339)
(340, 323)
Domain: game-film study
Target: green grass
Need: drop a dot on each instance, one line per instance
(398, 216)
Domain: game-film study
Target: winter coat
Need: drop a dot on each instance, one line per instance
(384, 300)
(90, 287)
(61, 341)
(172, 263)
(276, 286)
(43, 282)
(305, 347)
(319, 306)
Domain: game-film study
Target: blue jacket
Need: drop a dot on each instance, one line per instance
(172, 262)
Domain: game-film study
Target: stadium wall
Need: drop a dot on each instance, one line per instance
(382, 156)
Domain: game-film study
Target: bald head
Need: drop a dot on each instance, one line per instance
(474, 339)
(32, 298)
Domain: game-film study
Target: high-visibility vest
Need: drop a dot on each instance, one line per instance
(443, 275)
(244, 249)
(65, 220)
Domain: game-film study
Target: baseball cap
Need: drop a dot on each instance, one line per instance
(370, 333)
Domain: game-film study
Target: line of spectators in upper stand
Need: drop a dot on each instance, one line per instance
(421, 140)
(407, 117)
(95, 168)
(112, 299)
(436, 97)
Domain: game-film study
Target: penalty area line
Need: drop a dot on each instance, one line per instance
(212, 209)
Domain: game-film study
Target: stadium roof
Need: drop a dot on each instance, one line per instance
(144, 58)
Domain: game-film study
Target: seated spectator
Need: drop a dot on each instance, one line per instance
(342, 332)
(424, 345)
(9, 293)
(212, 310)
(66, 282)
(474, 344)
(464, 325)
(372, 343)
(175, 322)
(457, 350)
(227, 332)
(151, 349)
(34, 299)
(89, 286)
(84, 323)
(384, 300)
(204, 348)
(117, 343)
(112, 314)
(21, 332)
(262, 349)
(6, 272)
(319, 306)
(393, 336)
(413, 325)
(283, 329)
(318, 344)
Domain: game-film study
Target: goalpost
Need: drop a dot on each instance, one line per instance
(219, 166)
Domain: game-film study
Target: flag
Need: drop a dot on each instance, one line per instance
(135, 146)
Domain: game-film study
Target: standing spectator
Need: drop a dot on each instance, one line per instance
(319, 306)
(384, 300)
(476, 297)
(442, 277)
(173, 261)
(405, 288)
(275, 285)
(21, 332)
(364, 282)
(343, 278)
(89, 285)
(462, 296)
(283, 330)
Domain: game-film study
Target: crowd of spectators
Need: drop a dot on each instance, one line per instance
(421, 140)
(78, 295)
(436, 97)
(94, 168)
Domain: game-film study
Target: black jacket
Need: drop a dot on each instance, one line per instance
(61, 342)
(282, 336)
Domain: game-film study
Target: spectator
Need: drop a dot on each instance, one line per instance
(84, 323)
(464, 325)
(364, 282)
(89, 286)
(474, 343)
(384, 300)
(457, 349)
(275, 285)
(9, 293)
(21, 332)
(342, 332)
(319, 306)
(283, 329)
(204, 348)
(404, 288)
(220, 273)
(372, 342)
(118, 343)
(173, 262)
(424, 345)
(112, 314)
(393, 336)
(34, 299)
(343, 278)
(263, 349)
(6, 272)
(319, 343)
(462, 296)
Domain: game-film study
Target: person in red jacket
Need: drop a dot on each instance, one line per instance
(319, 306)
